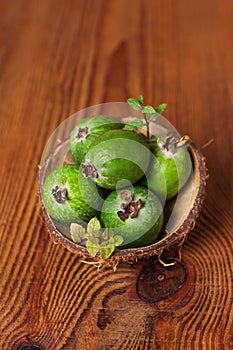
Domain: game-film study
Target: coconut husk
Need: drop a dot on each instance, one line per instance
(184, 208)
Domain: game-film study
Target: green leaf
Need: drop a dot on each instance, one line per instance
(148, 110)
(135, 104)
(99, 240)
(118, 240)
(152, 116)
(93, 226)
(94, 240)
(140, 99)
(91, 248)
(77, 232)
(110, 232)
(136, 124)
(161, 108)
(111, 240)
(107, 251)
(105, 235)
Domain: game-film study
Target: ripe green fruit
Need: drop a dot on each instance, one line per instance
(136, 215)
(70, 197)
(82, 136)
(117, 158)
(169, 169)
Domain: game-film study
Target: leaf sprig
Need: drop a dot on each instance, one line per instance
(149, 113)
(96, 239)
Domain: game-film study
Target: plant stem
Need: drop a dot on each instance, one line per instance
(147, 126)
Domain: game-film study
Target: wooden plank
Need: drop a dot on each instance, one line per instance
(57, 57)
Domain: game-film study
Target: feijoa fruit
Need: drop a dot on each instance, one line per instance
(170, 167)
(135, 214)
(117, 158)
(70, 197)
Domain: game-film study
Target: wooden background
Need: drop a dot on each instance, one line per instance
(57, 57)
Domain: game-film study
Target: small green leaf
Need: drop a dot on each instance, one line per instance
(98, 240)
(148, 110)
(140, 99)
(161, 108)
(91, 248)
(77, 232)
(118, 240)
(94, 240)
(110, 232)
(152, 116)
(111, 240)
(93, 226)
(135, 104)
(136, 124)
(105, 235)
(107, 251)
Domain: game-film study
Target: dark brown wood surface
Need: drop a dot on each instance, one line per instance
(57, 57)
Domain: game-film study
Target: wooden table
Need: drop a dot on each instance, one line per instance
(57, 57)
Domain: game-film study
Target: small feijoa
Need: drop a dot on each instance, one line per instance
(117, 158)
(136, 215)
(170, 167)
(70, 197)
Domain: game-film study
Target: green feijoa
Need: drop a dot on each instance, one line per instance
(82, 136)
(70, 197)
(170, 167)
(136, 214)
(117, 158)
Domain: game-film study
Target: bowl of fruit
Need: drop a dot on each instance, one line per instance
(118, 183)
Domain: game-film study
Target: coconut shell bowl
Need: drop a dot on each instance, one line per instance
(180, 212)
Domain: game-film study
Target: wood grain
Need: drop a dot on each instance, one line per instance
(57, 57)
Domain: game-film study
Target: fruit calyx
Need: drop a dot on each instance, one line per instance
(130, 207)
(89, 170)
(82, 134)
(60, 193)
(171, 143)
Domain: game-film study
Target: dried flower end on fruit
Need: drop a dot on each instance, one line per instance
(130, 208)
(59, 193)
(89, 170)
(81, 133)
